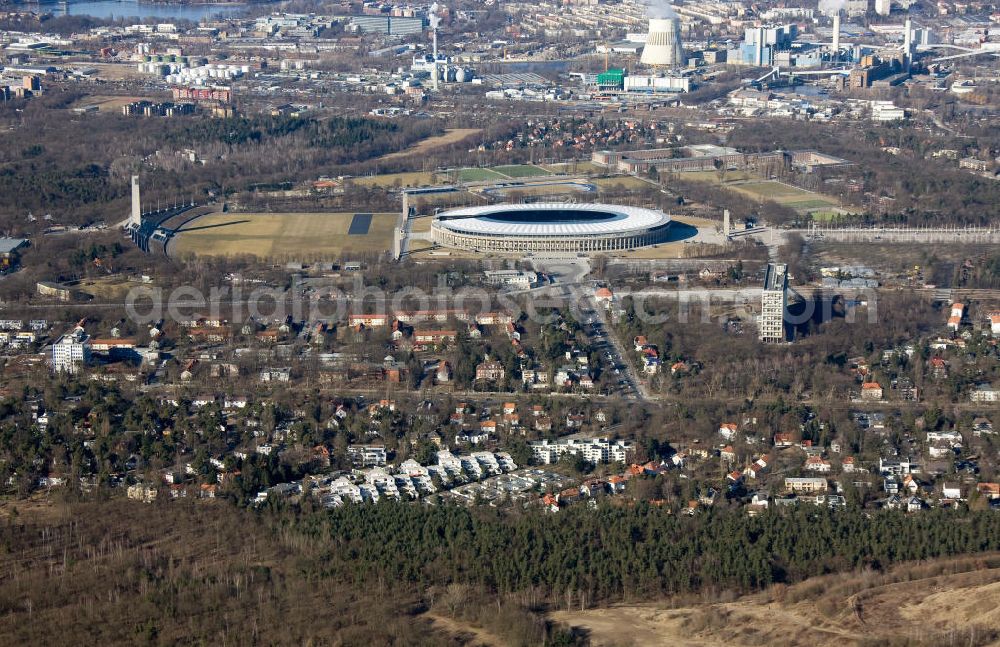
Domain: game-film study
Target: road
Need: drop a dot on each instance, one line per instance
(568, 284)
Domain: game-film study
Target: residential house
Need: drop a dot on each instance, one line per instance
(817, 464)
(871, 391)
(807, 485)
(982, 426)
(939, 368)
(984, 393)
(367, 455)
(490, 371)
(434, 337)
(956, 315)
(728, 430)
(783, 439)
(368, 320)
(951, 491)
(989, 491)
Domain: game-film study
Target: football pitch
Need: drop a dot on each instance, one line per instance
(301, 236)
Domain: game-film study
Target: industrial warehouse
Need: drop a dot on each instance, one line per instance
(550, 227)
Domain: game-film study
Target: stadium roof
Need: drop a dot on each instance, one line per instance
(8, 245)
(552, 219)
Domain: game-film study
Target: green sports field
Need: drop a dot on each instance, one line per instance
(521, 170)
(479, 175)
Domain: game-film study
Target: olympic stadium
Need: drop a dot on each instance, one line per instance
(550, 227)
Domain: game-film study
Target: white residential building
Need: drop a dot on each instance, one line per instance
(595, 450)
(887, 111)
(367, 455)
(71, 351)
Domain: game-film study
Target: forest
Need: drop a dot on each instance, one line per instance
(627, 553)
(120, 571)
(79, 170)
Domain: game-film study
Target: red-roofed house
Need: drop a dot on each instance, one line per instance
(727, 430)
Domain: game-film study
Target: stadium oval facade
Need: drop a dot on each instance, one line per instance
(550, 227)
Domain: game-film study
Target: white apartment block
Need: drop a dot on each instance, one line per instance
(595, 450)
(70, 352)
(367, 455)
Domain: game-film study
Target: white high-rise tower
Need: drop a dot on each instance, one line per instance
(773, 301)
(135, 216)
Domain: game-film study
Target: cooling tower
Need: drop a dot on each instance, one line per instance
(663, 46)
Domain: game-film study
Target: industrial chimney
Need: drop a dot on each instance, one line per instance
(836, 35)
(135, 216)
(663, 46)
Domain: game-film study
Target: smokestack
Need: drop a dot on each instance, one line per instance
(836, 35)
(135, 218)
(435, 20)
(907, 39)
(663, 46)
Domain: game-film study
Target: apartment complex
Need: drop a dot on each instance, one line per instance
(773, 301)
(596, 450)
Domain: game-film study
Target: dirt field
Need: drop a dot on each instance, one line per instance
(109, 288)
(415, 178)
(626, 181)
(573, 167)
(110, 104)
(117, 71)
(450, 136)
(300, 236)
(463, 632)
(834, 611)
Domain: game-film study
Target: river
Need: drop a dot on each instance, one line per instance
(134, 8)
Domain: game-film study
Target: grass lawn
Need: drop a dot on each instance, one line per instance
(521, 170)
(713, 176)
(574, 167)
(791, 196)
(770, 190)
(626, 181)
(478, 175)
(421, 224)
(424, 146)
(301, 236)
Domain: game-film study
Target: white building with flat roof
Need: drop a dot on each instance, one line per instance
(519, 279)
(71, 352)
(594, 450)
